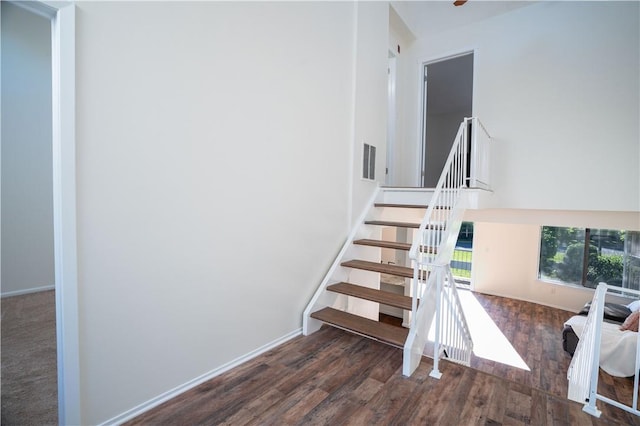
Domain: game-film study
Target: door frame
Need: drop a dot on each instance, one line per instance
(390, 178)
(62, 17)
(422, 104)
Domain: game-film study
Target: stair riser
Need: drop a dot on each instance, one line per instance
(405, 195)
(397, 214)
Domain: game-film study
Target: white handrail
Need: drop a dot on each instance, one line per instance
(585, 366)
(439, 231)
(432, 230)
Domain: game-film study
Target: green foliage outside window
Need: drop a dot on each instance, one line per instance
(610, 258)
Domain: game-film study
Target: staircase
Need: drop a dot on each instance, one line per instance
(426, 223)
(368, 267)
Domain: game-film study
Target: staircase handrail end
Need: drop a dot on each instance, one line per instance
(484, 129)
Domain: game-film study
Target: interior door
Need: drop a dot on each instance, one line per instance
(447, 100)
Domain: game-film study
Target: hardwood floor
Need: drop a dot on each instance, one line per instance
(29, 385)
(535, 333)
(334, 377)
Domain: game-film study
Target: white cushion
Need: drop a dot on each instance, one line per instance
(634, 306)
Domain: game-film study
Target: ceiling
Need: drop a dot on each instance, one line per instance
(430, 17)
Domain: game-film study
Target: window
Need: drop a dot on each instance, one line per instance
(587, 256)
(462, 256)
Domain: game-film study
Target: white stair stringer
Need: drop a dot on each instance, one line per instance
(336, 273)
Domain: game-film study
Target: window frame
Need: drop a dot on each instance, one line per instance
(587, 241)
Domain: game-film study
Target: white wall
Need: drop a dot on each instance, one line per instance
(215, 154)
(27, 203)
(404, 167)
(506, 252)
(370, 97)
(557, 85)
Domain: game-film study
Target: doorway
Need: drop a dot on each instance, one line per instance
(29, 361)
(447, 91)
(61, 22)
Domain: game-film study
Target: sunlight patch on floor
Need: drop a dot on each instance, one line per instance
(488, 341)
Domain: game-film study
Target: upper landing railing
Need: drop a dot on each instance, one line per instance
(480, 150)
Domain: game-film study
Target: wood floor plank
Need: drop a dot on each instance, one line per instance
(496, 405)
(519, 405)
(255, 409)
(476, 409)
(367, 389)
(389, 400)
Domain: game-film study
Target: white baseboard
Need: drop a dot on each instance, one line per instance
(154, 402)
(27, 291)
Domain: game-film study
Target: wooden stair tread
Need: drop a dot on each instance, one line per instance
(400, 224)
(390, 245)
(417, 188)
(409, 206)
(378, 330)
(391, 223)
(401, 271)
(380, 296)
(402, 206)
(384, 244)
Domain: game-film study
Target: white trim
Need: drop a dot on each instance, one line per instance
(154, 402)
(446, 56)
(419, 158)
(63, 40)
(27, 291)
(40, 8)
(389, 176)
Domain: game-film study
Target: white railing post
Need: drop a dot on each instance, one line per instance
(473, 181)
(435, 373)
(414, 294)
(595, 348)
